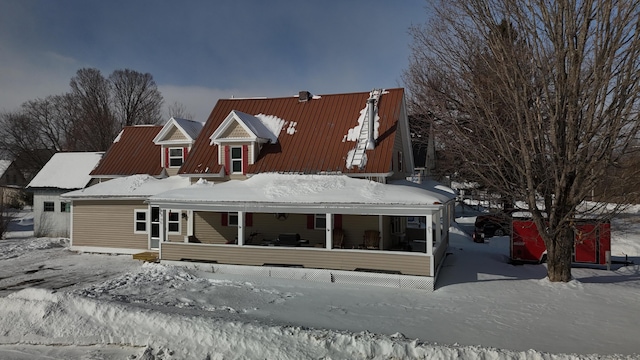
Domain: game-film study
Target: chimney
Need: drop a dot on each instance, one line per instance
(304, 96)
(371, 108)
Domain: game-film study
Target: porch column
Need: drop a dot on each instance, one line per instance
(445, 220)
(329, 231)
(189, 222)
(429, 237)
(381, 230)
(163, 232)
(240, 228)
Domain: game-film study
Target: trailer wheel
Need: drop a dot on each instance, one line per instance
(499, 232)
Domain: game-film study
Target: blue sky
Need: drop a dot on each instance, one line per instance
(200, 51)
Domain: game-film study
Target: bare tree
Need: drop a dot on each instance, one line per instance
(136, 98)
(537, 99)
(179, 110)
(96, 126)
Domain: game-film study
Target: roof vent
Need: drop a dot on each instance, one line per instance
(304, 96)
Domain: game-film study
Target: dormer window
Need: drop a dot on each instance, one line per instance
(176, 157)
(236, 159)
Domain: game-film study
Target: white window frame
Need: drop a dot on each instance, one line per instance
(174, 157)
(232, 215)
(233, 160)
(323, 218)
(178, 222)
(136, 221)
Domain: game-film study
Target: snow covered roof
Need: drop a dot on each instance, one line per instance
(135, 187)
(266, 127)
(306, 189)
(68, 170)
(4, 165)
(189, 128)
(322, 123)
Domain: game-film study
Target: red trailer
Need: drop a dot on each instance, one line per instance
(592, 241)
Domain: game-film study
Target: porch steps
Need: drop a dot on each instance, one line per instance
(147, 256)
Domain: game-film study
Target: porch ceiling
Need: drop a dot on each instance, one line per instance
(303, 208)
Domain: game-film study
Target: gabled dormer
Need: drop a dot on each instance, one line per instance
(175, 140)
(240, 137)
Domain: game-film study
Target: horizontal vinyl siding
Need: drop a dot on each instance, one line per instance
(440, 253)
(208, 228)
(270, 227)
(107, 224)
(349, 260)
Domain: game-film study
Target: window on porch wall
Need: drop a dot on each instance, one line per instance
(173, 222)
(320, 221)
(231, 219)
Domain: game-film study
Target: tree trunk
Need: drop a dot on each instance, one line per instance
(559, 256)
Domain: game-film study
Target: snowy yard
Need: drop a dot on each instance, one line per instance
(58, 304)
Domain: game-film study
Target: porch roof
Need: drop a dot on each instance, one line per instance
(306, 193)
(130, 187)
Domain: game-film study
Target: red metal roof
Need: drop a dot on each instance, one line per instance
(318, 144)
(132, 153)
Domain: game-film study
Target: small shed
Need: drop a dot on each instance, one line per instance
(64, 172)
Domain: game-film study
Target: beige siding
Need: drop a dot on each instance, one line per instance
(172, 171)
(209, 230)
(440, 252)
(107, 224)
(404, 263)
(175, 134)
(236, 131)
(270, 227)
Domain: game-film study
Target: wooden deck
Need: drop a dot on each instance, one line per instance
(147, 256)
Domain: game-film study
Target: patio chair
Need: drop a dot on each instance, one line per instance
(338, 238)
(371, 239)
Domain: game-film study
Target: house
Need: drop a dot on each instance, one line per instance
(64, 172)
(12, 183)
(304, 186)
(113, 216)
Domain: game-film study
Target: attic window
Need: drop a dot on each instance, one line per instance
(236, 159)
(175, 157)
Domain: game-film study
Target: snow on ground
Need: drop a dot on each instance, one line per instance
(55, 303)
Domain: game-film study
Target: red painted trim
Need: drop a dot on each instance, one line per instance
(227, 160)
(245, 159)
(185, 153)
(248, 219)
(311, 221)
(337, 221)
(224, 219)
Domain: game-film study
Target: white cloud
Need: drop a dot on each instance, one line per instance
(199, 100)
(26, 77)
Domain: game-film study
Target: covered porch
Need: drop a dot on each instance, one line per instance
(386, 238)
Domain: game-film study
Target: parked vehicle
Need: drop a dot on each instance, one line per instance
(495, 224)
(592, 242)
